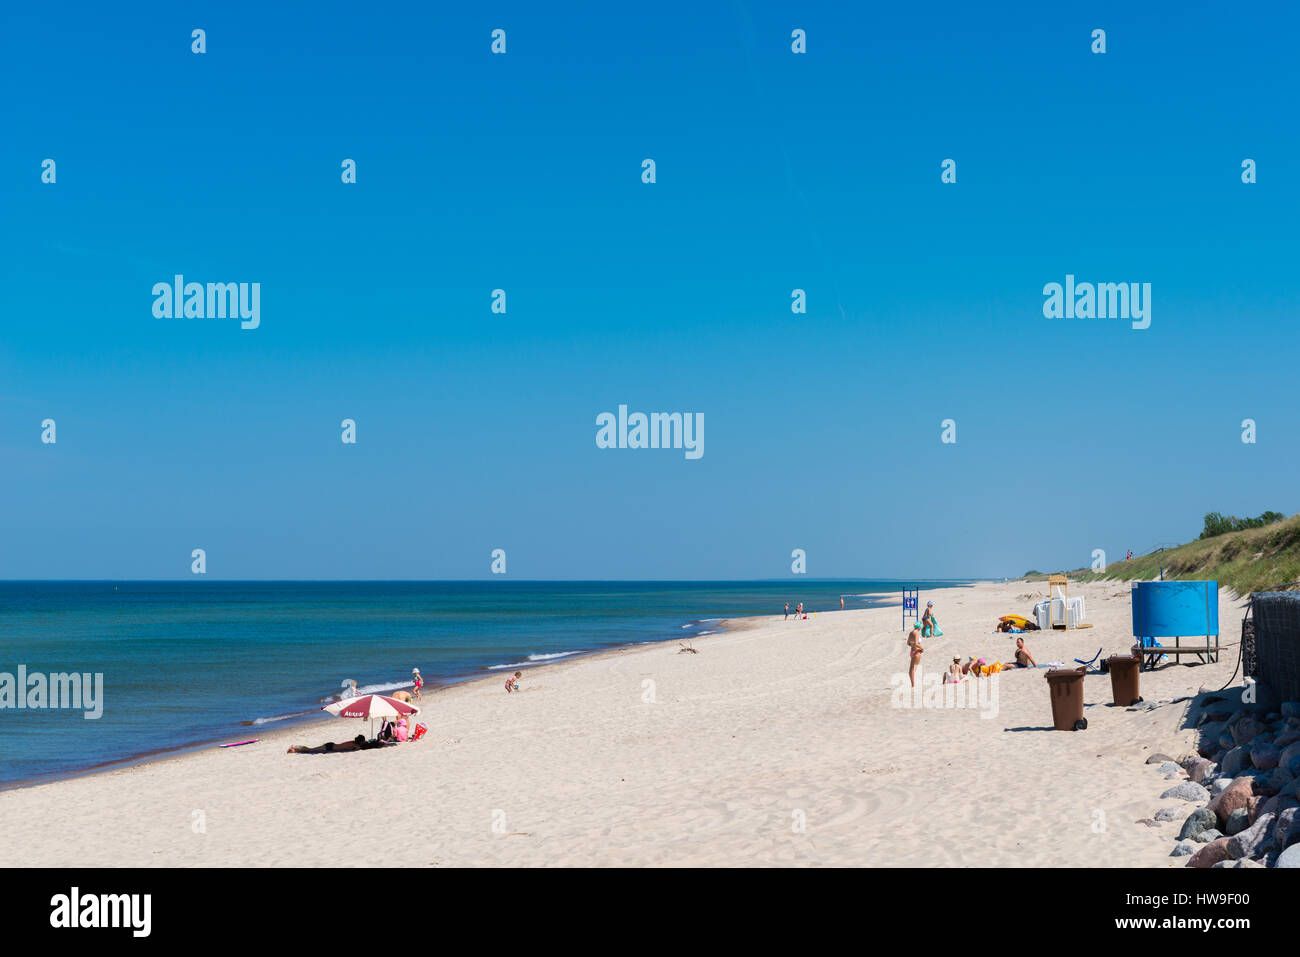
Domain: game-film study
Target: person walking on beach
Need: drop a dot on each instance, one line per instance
(914, 652)
(787, 612)
(419, 682)
(927, 620)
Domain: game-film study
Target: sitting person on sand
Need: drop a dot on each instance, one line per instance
(914, 652)
(401, 732)
(955, 674)
(1023, 658)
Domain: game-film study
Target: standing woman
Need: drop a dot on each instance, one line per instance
(914, 652)
(930, 624)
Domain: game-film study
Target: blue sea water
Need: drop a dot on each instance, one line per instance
(193, 663)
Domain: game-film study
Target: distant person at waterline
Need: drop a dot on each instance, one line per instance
(419, 682)
(787, 612)
(914, 652)
(798, 610)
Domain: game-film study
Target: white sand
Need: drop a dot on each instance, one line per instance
(770, 724)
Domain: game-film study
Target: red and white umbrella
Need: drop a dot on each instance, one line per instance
(370, 706)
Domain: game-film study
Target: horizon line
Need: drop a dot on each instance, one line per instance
(451, 581)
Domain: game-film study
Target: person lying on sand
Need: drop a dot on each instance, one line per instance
(1023, 658)
(914, 652)
(329, 747)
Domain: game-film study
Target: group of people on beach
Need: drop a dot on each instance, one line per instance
(957, 672)
(799, 610)
(390, 732)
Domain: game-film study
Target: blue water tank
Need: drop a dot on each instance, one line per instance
(1174, 609)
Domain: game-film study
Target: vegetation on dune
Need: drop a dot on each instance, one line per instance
(1216, 523)
(1253, 558)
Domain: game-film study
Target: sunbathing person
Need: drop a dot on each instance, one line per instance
(1023, 658)
(329, 747)
(955, 674)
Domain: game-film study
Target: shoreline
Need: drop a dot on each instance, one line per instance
(303, 720)
(287, 720)
(282, 729)
(640, 755)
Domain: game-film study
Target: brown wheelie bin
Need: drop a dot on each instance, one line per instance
(1066, 688)
(1124, 679)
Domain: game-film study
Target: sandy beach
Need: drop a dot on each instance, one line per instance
(777, 743)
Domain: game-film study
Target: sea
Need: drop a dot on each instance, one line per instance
(198, 664)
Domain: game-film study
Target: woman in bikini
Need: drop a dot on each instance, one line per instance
(914, 652)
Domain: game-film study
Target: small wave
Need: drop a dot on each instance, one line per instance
(278, 717)
(533, 659)
(380, 689)
(699, 622)
(369, 689)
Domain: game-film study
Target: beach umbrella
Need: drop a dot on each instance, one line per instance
(370, 706)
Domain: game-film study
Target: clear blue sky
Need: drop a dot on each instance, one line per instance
(523, 171)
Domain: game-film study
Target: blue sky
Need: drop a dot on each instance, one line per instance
(523, 172)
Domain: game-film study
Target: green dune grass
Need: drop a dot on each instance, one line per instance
(1256, 559)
